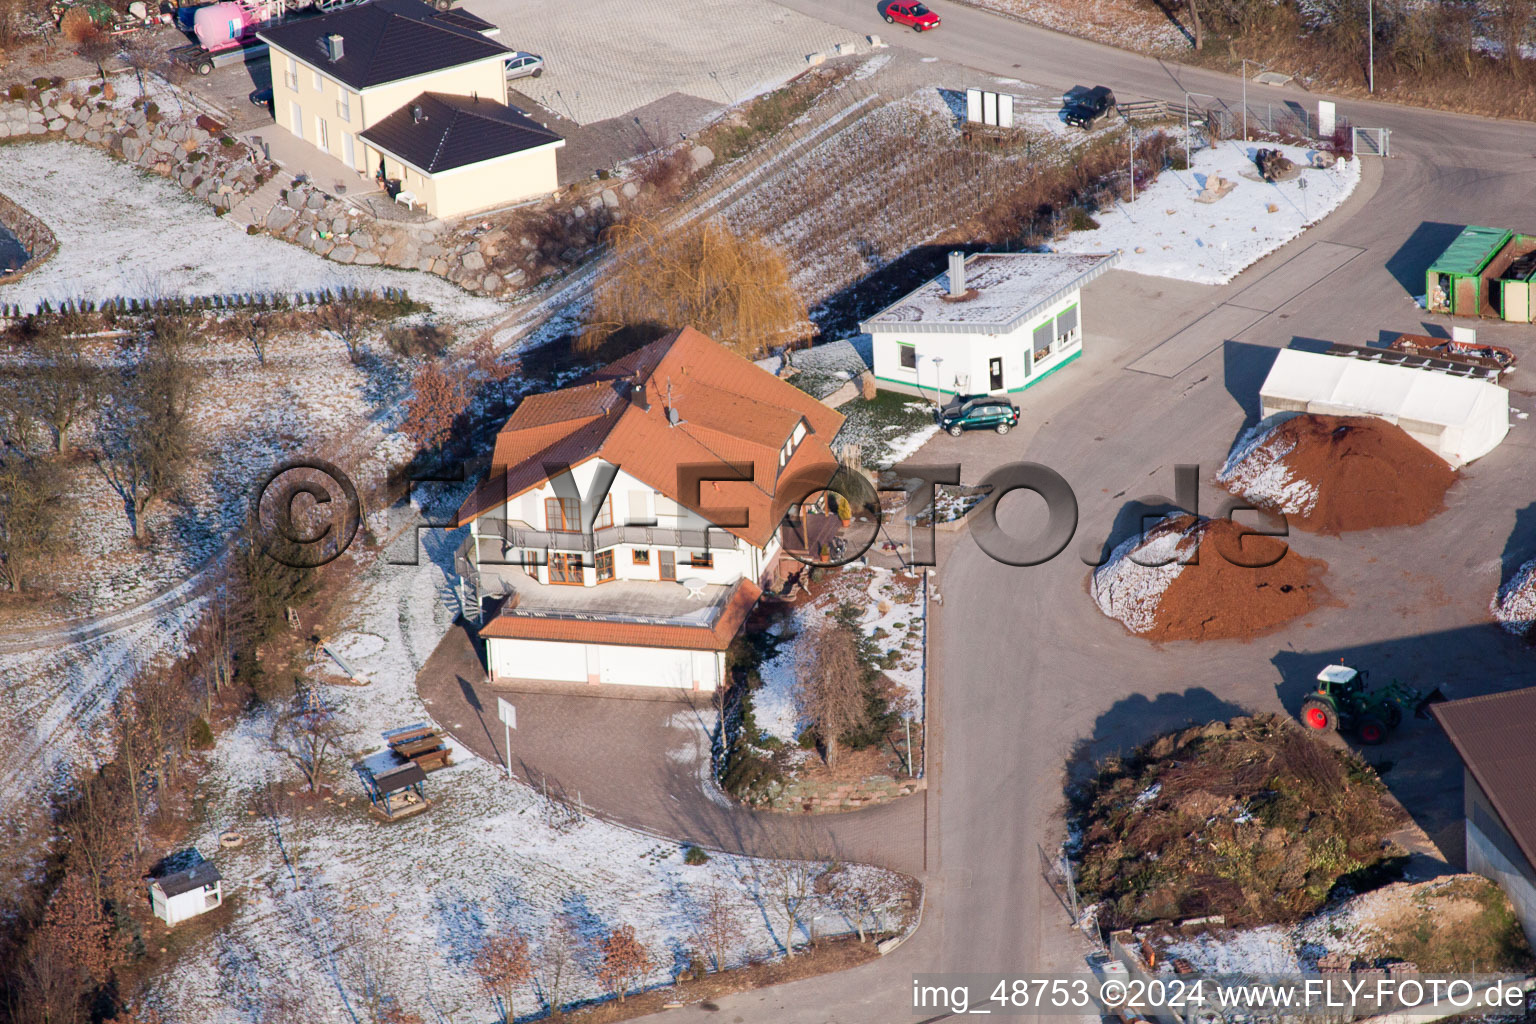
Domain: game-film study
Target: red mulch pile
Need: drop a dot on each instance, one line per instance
(1367, 472)
(1220, 599)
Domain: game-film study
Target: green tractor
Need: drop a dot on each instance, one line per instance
(1342, 703)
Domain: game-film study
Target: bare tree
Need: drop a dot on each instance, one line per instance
(144, 438)
(787, 886)
(307, 737)
(62, 388)
(829, 684)
(864, 897)
(343, 318)
(258, 329)
(733, 286)
(33, 517)
(1512, 21)
(132, 743)
(717, 926)
(625, 961)
(144, 52)
(557, 963)
(504, 965)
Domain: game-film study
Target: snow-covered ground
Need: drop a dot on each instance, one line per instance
(1123, 23)
(1166, 233)
(331, 898)
(892, 614)
(132, 234)
(1257, 470)
(1514, 606)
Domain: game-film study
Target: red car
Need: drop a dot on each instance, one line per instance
(919, 17)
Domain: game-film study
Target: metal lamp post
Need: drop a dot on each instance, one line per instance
(1370, 45)
(1246, 62)
(1133, 162)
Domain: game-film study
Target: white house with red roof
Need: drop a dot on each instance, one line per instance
(629, 523)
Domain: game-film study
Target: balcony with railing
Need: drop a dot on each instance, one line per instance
(516, 535)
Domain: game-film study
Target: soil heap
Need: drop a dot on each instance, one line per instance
(1331, 474)
(1241, 584)
(1514, 606)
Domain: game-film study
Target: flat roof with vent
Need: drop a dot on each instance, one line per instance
(1010, 289)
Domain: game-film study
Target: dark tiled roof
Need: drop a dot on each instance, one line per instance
(1493, 736)
(463, 19)
(456, 131)
(200, 874)
(384, 41)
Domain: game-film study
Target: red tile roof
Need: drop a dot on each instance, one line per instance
(1493, 736)
(729, 411)
(715, 637)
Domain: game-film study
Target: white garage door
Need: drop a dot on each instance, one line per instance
(646, 666)
(538, 659)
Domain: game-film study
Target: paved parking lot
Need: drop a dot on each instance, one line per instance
(606, 58)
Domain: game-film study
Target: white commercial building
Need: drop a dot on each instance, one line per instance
(1458, 418)
(995, 323)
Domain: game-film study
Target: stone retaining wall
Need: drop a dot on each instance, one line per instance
(479, 255)
(832, 797)
(33, 235)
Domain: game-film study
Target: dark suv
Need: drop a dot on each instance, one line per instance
(979, 412)
(1089, 108)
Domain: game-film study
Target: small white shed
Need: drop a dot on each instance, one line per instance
(186, 893)
(1458, 418)
(995, 323)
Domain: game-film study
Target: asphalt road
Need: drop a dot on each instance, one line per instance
(1026, 669)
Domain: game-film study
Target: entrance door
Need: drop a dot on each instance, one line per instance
(296, 119)
(348, 154)
(668, 563)
(995, 369)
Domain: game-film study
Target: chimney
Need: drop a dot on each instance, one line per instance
(417, 115)
(334, 49)
(638, 396)
(957, 275)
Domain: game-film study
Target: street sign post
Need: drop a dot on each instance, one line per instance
(508, 715)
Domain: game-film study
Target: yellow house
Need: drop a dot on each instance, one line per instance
(414, 97)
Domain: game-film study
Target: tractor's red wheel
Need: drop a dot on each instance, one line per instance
(1372, 731)
(1319, 715)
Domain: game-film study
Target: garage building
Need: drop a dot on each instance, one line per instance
(1493, 736)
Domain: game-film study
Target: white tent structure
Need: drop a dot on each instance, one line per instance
(1457, 418)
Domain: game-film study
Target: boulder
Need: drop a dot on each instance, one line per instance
(321, 246)
(316, 201)
(610, 198)
(362, 239)
(515, 278)
(339, 225)
(280, 217)
(74, 130)
(344, 253)
(491, 283)
(367, 259)
(473, 262)
(702, 157)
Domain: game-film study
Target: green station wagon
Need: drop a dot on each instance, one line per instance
(979, 412)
